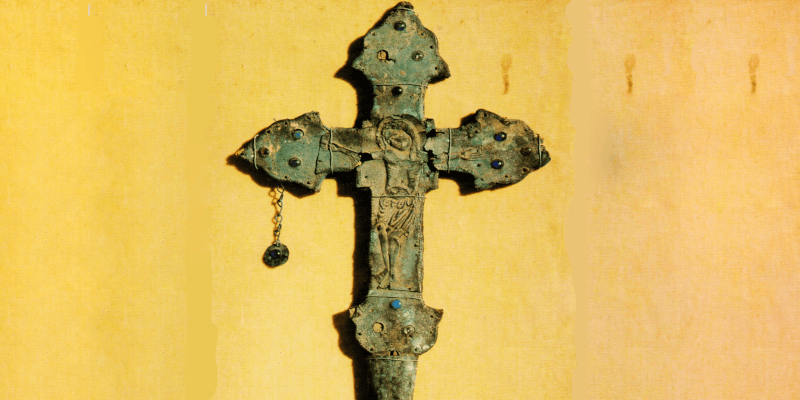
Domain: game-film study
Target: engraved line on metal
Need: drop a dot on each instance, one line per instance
(539, 147)
(254, 151)
(399, 84)
(398, 196)
(330, 150)
(392, 359)
(400, 294)
(449, 146)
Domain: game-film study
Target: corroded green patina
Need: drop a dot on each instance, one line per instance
(397, 155)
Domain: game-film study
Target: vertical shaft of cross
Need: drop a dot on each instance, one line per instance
(400, 57)
(393, 323)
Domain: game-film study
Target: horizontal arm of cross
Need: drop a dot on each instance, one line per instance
(300, 150)
(493, 149)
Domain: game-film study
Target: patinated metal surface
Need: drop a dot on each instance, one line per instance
(276, 255)
(397, 155)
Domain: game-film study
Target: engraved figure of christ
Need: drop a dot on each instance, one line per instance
(397, 213)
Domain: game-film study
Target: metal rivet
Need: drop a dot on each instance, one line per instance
(297, 134)
(497, 164)
(397, 91)
(378, 327)
(417, 56)
(399, 26)
(396, 304)
(294, 162)
(263, 152)
(500, 136)
(383, 55)
(526, 151)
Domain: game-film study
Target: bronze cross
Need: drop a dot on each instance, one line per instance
(397, 155)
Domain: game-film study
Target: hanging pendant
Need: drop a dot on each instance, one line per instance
(276, 255)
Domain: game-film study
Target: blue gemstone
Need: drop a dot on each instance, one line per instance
(274, 254)
(500, 136)
(396, 304)
(400, 25)
(297, 134)
(497, 164)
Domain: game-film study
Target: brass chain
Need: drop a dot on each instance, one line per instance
(279, 215)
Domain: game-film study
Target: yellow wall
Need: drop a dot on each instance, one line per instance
(93, 174)
(693, 210)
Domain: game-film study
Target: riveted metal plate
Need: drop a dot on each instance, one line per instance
(493, 149)
(400, 57)
(409, 329)
(394, 56)
(288, 149)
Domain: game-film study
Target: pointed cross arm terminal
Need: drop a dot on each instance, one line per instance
(304, 151)
(493, 149)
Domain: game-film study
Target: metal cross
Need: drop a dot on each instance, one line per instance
(397, 155)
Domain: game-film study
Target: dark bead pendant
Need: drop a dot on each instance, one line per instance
(276, 255)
